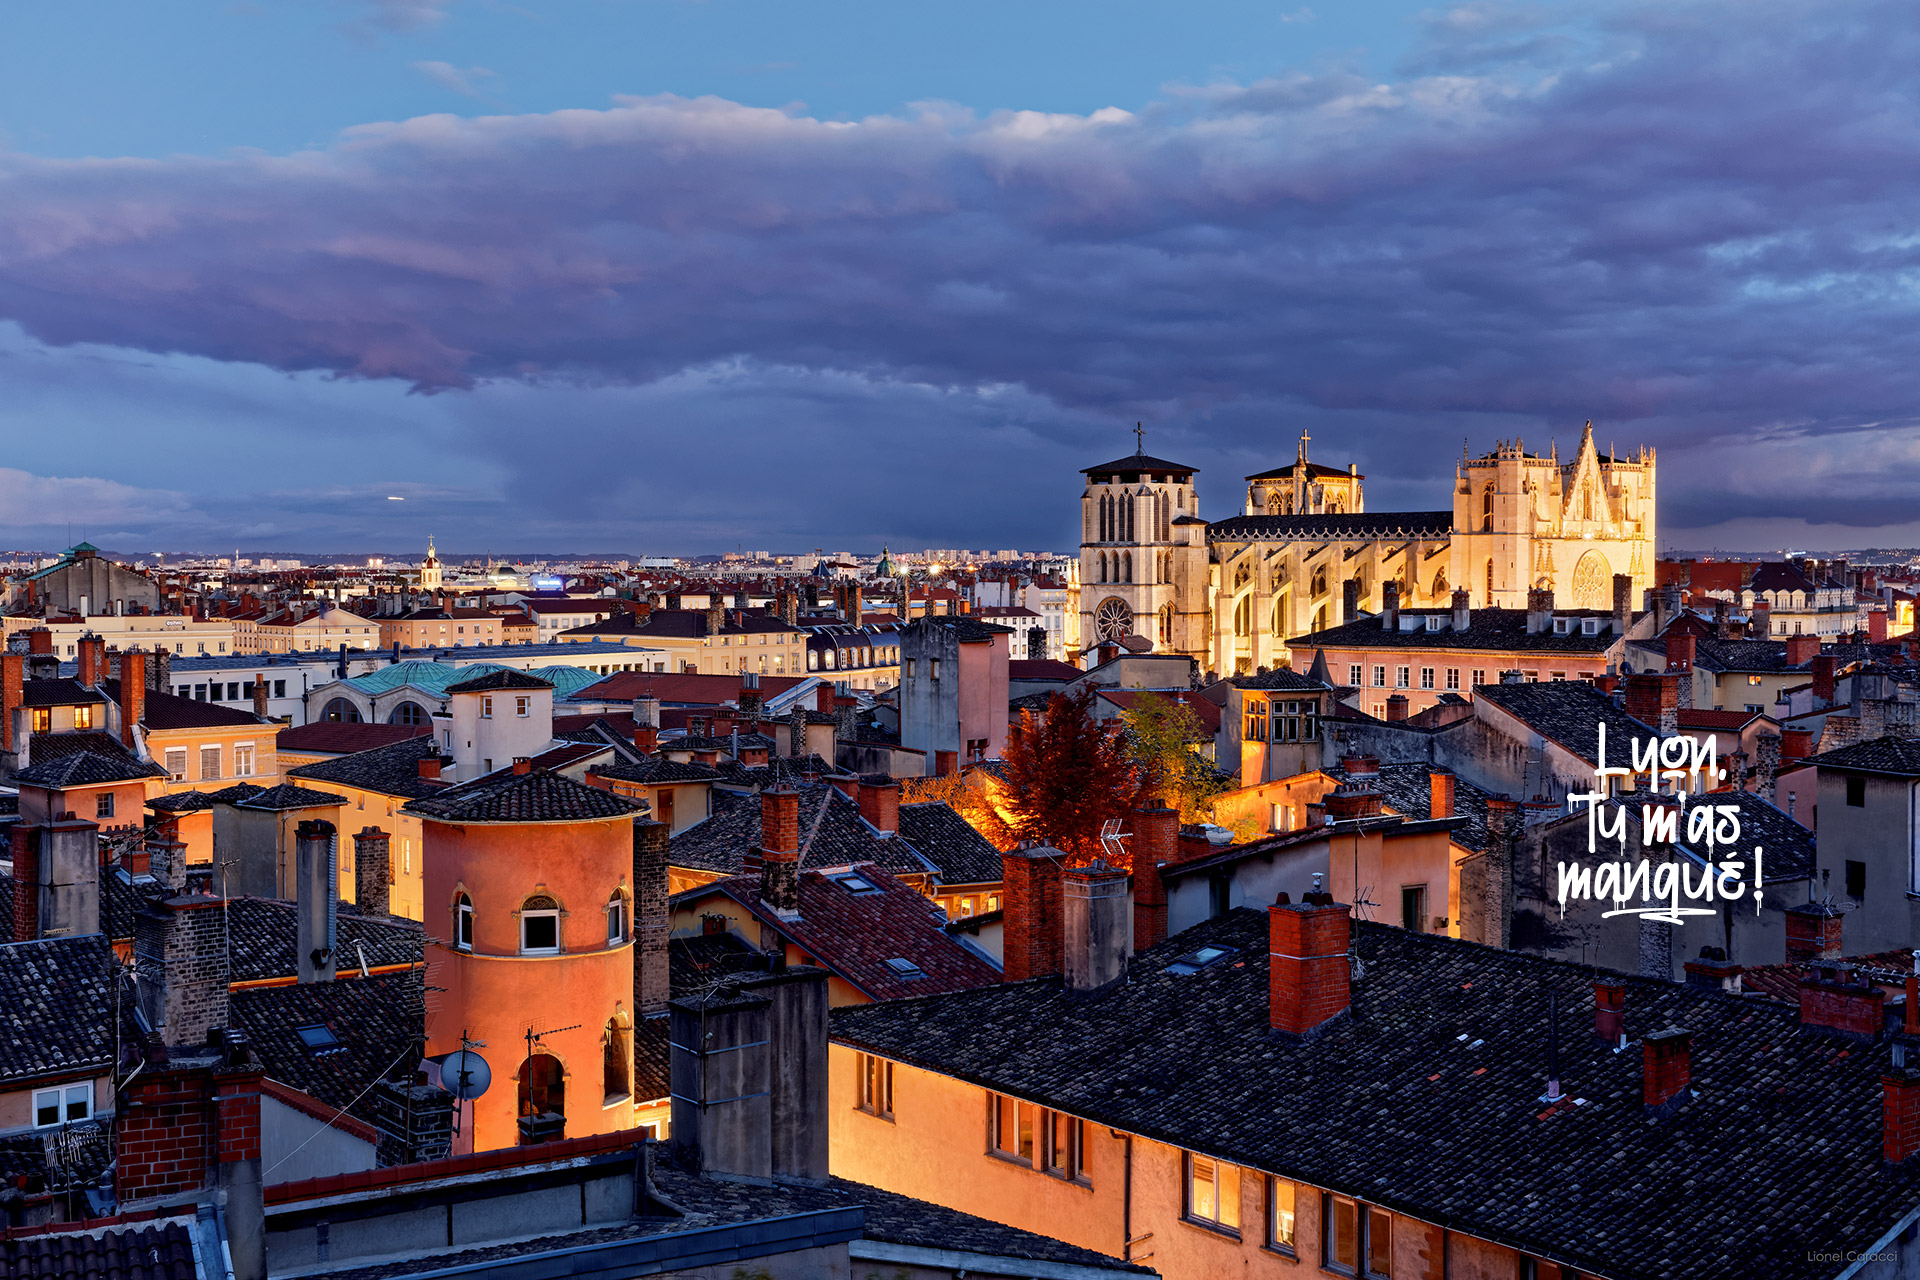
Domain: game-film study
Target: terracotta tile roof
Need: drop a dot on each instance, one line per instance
(1897, 756)
(262, 935)
(949, 842)
(857, 935)
(685, 690)
(535, 796)
(151, 1251)
(341, 738)
(376, 1021)
(1782, 981)
(1774, 1161)
(1569, 712)
(87, 768)
(1042, 669)
(832, 834)
(288, 796)
(656, 769)
(179, 802)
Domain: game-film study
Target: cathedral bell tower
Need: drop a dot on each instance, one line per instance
(430, 569)
(1143, 555)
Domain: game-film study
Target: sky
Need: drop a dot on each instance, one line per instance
(681, 276)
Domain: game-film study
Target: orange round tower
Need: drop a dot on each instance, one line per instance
(528, 902)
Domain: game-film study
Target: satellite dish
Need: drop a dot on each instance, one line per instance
(465, 1074)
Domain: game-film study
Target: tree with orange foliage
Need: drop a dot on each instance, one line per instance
(1067, 774)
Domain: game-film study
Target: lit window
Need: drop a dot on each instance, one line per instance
(540, 926)
(83, 717)
(1354, 1232)
(42, 719)
(1213, 1193)
(1066, 1140)
(62, 1106)
(873, 1085)
(1280, 1227)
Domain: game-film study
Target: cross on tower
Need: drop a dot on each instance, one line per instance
(1139, 440)
(1304, 437)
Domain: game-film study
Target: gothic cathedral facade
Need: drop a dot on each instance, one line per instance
(1305, 551)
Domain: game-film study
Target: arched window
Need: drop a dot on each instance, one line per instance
(1486, 509)
(539, 926)
(1489, 582)
(543, 1099)
(1439, 586)
(1166, 518)
(617, 1065)
(1106, 517)
(1243, 616)
(463, 922)
(1273, 502)
(1319, 585)
(1166, 624)
(1127, 567)
(340, 711)
(1130, 505)
(407, 713)
(616, 919)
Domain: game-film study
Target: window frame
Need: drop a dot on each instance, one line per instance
(617, 919)
(462, 922)
(873, 1085)
(103, 804)
(1363, 1242)
(1290, 1247)
(63, 1099)
(527, 914)
(1190, 1162)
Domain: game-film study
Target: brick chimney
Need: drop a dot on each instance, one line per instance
(1350, 600)
(946, 763)
(1759, 620)
(1351, 801)
(780, 820)
(1824, 666)
(1622, 603)
(1876, 626)
(1667, 1068)
(93, 660)
(1801, 650)
(1609, 1011)
(39, 641)
(1307, 965)
(1359, 766)
(1095, 938)
(651, 988)
(1900, 1114)
(25, 842)
(1539, 611)
(260, 692)
(1440, 783)
(13, 678)
(1462, 609)
(1713, 971)
(133, 694)
(1031, 930)
(1396, 707)
(1795, 745)
(372, 871)
(1653, 698)
(1680, 651)
(180, 967)
(823, 698)
(716, 614)
(880, 804)
(1813, 933)
(430, 766)
(1156, 835)
(1390, 605)
(1830, 998)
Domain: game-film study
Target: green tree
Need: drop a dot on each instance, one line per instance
(1164, 737)
(1067, 773)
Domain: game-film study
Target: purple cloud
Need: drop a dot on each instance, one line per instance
(1691, 225)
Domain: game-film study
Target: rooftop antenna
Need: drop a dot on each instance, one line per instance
(1113, 840)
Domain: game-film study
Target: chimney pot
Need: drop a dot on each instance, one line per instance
(1609, 1011)
(1900, 1114)
(1094, 917)
(1813, 933)
(1156, 835)
(1031, 928)
(1440, 784)
(1307, 973)
(880, 804)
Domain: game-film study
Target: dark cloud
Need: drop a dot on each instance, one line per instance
(1692, 224)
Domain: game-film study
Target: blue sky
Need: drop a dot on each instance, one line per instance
(657, 276)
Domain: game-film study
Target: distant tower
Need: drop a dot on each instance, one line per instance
(529, 907)
(430, 569)
(1143, 555)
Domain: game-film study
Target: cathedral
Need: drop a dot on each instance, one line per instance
(1229, 593)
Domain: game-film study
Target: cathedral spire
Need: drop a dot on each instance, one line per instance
(1139, 440)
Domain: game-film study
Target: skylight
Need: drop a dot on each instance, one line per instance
(1194, 961)
(317, 1038)
(856, 884)
(906, 968)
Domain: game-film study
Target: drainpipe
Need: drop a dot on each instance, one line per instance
(1126, 1199)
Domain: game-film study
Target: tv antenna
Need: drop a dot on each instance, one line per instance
(1113, 840)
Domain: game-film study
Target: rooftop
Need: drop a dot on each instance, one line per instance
(56, 1006)
(1569, 712)
(1491, 629)
(534, 796)
(1774, 1160)
(1353, 527)
(340, 737)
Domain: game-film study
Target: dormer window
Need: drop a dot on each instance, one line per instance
(1589, 626)
(1434, 621)
(1561, 626)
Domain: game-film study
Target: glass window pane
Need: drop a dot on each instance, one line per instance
(1200, 1188)
(46, 1108)
(1343, 1241)
(1379, 1242)
(1229, 1195)
(1280, 1227)
(1060, 1144)
(1026, 1131)
(1006, 1129)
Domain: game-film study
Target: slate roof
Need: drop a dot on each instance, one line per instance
(1568, 712)
(949, 842)
(534, 796)
(375, 1019)
(1340, 528)
(1280, 678)
(696, 963)
(722, 742)
(179, 802)
(171, 711)
(832, 834)
(87, 768)
(656, 769)
(262, 935)
(856, 934)
(340, 737)
(1312, 469)
(58, 692)
(1729, 721)
(1789, 847)
(56, 1006)
(500, 678)
(1136, 463)
(1493, 629)
(234, 794)
(796, 771)
(53, 746)
(392, 770)
(291, 796)
(1407, 789)
(1899, 757)
(1742, 655)
(149, 1251)
(1775, 1158)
